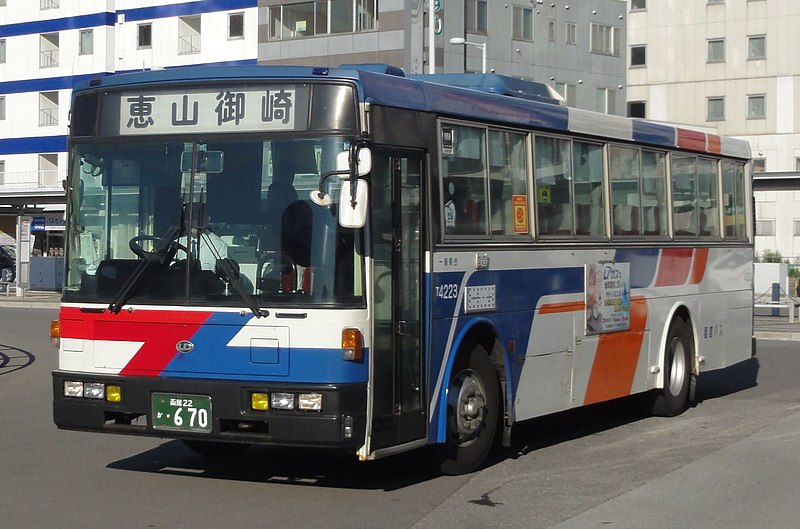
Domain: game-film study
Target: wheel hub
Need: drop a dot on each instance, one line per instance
(467, 402)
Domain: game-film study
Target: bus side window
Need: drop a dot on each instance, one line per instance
(553, 186)
(625, 199)
(507, 181)
(464, 182)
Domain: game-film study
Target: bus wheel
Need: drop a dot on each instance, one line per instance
(214, 449)
(674, 398)
(472, 408)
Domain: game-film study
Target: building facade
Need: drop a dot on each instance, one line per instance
(576, 47)
(728, 65)
(47, 45)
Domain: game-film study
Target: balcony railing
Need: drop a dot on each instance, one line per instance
(48, 4)
(48, 117)
(188, 44)
(21, 180)
(48, 59)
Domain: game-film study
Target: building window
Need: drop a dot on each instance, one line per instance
(86, 42)
(2, 3)
(189, 35)
(2, 172)
(476, 16)
(638, 5)
(572, 33)
(797, 163)
(715, 109)
(144, 36)
(796, 227)
(321, 17)
(637, 109)
(606, 100)
(48, 4)
(2, 108)
(765, 227)
(759, 165)
(551, 31)
(2, 51)
(605, 39)
(48, 109)
(235, 26)
(523, 23)
(716, 50)
(756, 106)
(48, 50)
(567, 92)
(757, 47)
(638, 55)
(716, 1)
(48, 170)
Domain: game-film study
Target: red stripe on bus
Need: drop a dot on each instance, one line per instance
(691, 139)
(616, 358)
(699, 265)
(673, 267)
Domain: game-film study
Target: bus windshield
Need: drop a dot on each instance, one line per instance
(227, 222)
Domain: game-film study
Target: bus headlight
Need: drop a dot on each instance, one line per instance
(94, 390)
(282, 401)
(310, 401)
(73, 388)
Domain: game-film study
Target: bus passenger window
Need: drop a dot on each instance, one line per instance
(464, 181)
(626, 202)
(553, 186)
(684, 201)
(733, 200)
(589, 208)
(707, 198)
(654, 196)
(507, 183)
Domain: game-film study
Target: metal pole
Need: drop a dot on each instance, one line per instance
(776, 297)
(431, 39)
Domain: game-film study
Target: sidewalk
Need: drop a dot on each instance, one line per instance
(33, 299)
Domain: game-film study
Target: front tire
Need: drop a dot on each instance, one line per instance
(678, 354)
(472, 413)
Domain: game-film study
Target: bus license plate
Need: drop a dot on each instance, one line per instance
(186, 413)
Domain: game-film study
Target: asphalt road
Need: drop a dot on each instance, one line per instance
(728, 462)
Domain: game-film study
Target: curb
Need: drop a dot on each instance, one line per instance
(774, 335)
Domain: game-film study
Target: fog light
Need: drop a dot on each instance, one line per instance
(113, 394)
(310, 401)
(259, 401)
(282, 401)
(73, 388)
(94, 390)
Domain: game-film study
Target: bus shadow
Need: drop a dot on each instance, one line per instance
(13, 359)
(550, 430)
(299, 467)
(287, 466)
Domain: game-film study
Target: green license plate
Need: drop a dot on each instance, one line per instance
(185, 413)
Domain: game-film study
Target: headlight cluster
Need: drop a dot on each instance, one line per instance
(280, 400)
(92, 390)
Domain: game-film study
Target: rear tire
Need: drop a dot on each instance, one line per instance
(678, 354)
(215, 449)
(472, 413)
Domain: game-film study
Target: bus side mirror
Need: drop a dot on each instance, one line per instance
(363, 164)
(353, 204)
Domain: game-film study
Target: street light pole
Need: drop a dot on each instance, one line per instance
(482, 46)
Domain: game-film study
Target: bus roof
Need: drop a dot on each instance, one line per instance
(489, 97)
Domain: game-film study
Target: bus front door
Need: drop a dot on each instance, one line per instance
(398, 412)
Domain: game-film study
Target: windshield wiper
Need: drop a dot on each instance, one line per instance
(162, 255)
(225, 268)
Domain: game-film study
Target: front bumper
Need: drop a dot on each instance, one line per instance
(340, 424)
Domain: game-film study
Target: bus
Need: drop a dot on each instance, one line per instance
(356, 260)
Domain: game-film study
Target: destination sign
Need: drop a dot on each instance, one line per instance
(227, 109)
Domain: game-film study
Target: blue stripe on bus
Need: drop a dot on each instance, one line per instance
(517, 294)
(644, 262)
(58, 24)
(646, 132)
(213, 358)
(36, 144)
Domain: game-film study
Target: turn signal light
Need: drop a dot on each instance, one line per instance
(352, 348)
(55, 333)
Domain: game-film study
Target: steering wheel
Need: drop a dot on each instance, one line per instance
(274, 263)
(135, 244)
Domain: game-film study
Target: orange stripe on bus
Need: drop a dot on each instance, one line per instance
(559, 308)
(616, 358)
(699, 265)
